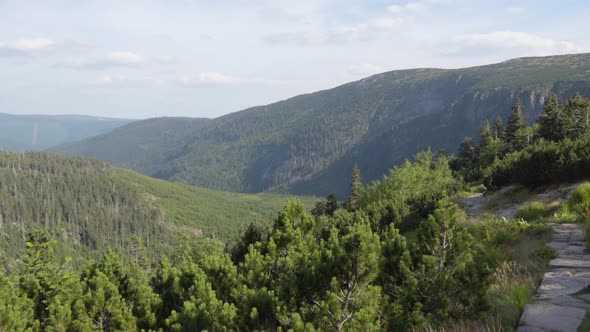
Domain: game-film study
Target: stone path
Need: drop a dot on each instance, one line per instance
(562, 299)
(475, 204)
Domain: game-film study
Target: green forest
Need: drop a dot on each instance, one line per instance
(90, 206)
(398, 254)
(309, 143)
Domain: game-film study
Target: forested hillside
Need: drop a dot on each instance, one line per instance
(89, 206)
(398, 255)
(39, 132)
(308, 143)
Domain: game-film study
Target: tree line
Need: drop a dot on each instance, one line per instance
(343, 267)
(397, 255)
(555, 148)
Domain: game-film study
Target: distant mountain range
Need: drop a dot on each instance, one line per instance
(309, 144)
(39, 132)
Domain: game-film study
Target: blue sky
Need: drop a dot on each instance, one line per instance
(197, 58)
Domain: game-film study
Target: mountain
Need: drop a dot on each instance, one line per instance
(90, 205)
(309, 143)
(39, 132)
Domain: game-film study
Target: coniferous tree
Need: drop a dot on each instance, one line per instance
(16, 310)
(516, 124)
(398, 282)
(331, 204)
(485, 134)
(139, 253)
(443, 254)
(576, 114)
(351, 302)
(252, 234)
(498, 128)
(467, 149)
(550, 121)
(52, 290)
(319, 209)
(325, 207)
(354, 199)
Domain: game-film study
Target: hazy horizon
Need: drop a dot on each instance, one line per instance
(143, 59)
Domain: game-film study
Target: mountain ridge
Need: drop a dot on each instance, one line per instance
(38, 131)
(306, 144)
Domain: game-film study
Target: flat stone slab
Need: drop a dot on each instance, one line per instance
(550, 317)
(563, 282)
(569, 301)
(573, 262)
(560, 303)
(529, 329)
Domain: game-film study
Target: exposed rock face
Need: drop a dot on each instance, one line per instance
(560, 303)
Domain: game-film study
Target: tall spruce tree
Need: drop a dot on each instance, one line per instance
(467, 149)
(516, 123)
(331, 204)
(353, 202)
(576, 114)
(550, 121)
(485, 135)
(498, 128)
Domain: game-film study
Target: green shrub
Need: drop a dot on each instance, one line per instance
(564, 216)
(541, 163)
(579, 202)
(545, 253)
(532, 212)
(538, 229)
(498, 232)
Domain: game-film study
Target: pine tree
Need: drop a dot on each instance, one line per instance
(485, 134)
(351, 302)
(443, 254)
(52, 290)
(498, 128)
(331, 204)
(516, 123)
(354, 199)
(139, 253)
(398, 282)
(550, 121)
(467, 149)
(16, 310)
(576, 115)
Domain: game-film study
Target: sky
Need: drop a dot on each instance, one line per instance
(148, 58)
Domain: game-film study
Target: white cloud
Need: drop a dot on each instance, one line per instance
(107, 80)
(533, 44)
(113, 59)
(165, 59)
(30, 44)
(339, 34)
(395, 9)
(416, 7)
(25, 46)
(365, 69)
(124, 58)
(515, 10)
(386, 23)
(217, 78)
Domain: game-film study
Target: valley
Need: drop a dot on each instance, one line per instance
(308, 143)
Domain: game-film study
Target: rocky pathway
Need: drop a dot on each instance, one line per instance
(562, 299)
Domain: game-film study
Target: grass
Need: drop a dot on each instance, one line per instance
(524, 256)
(585, 325)
(500, 200)
(212, 212)
(516, 280)
(535, 211)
